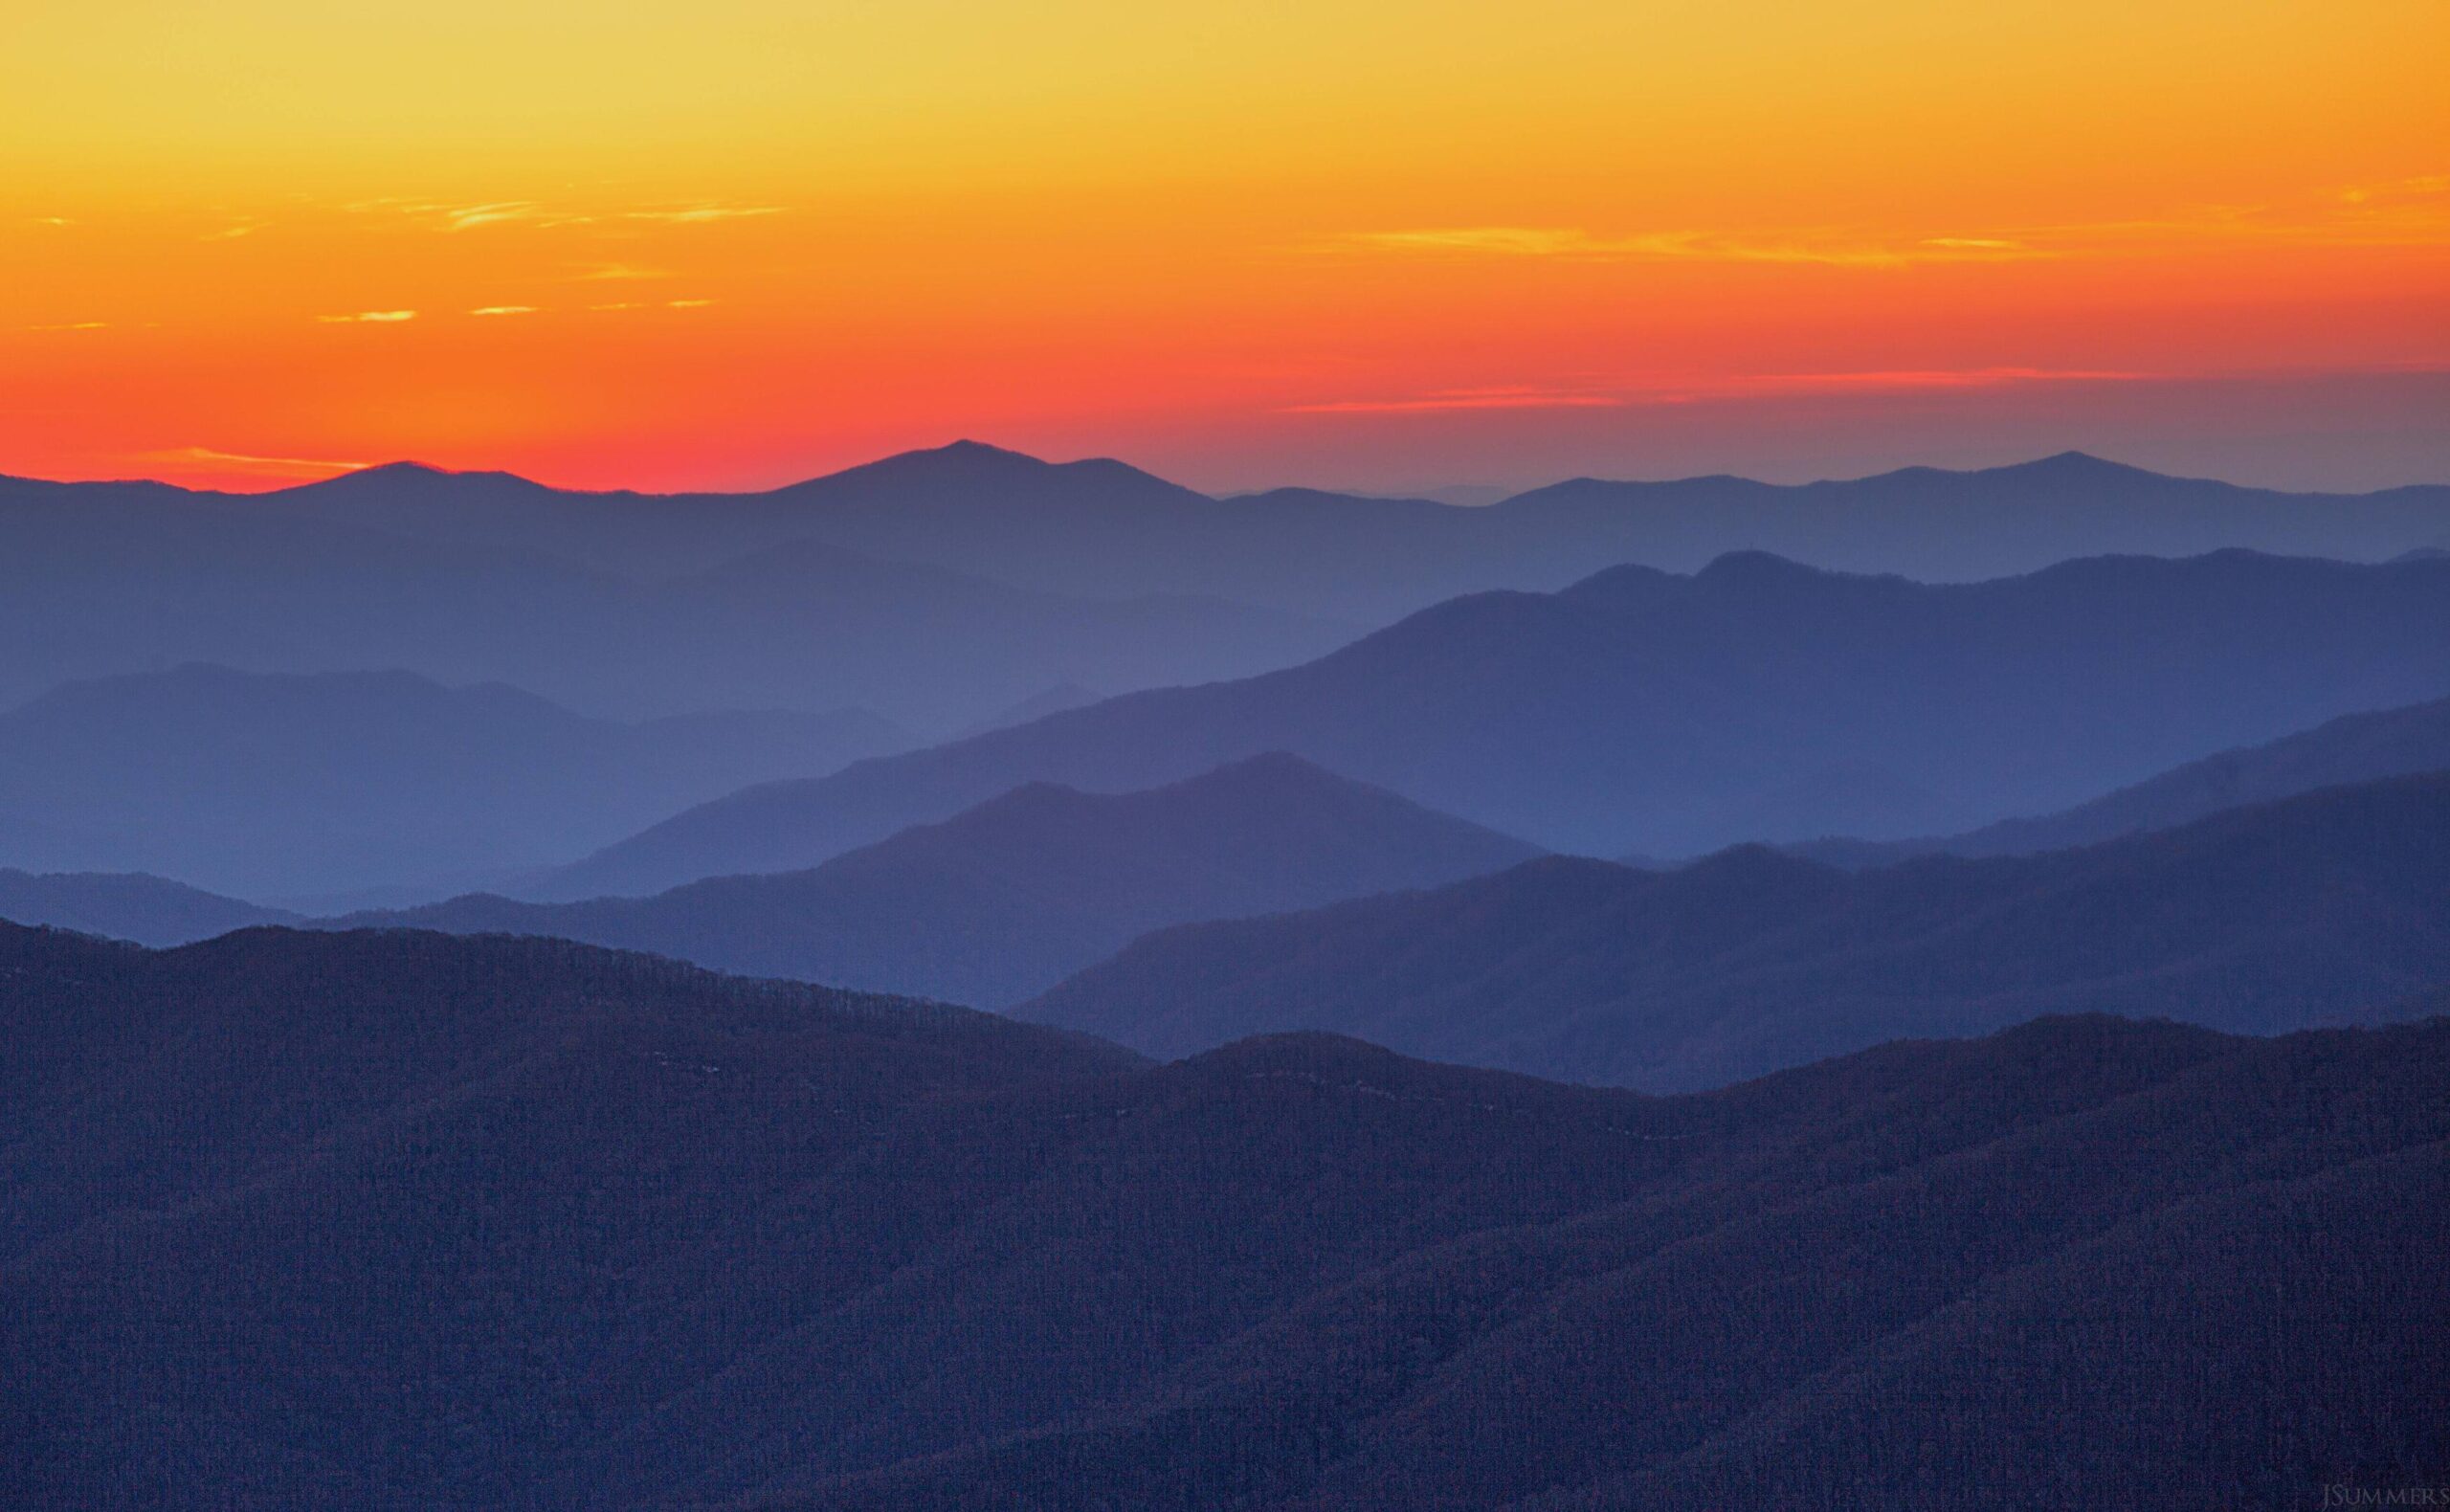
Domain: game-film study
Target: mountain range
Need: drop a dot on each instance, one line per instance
(2354, 747)
(273, 786)
(109, 579)
(2317, 909)
(1101, 528)
(1091, 571)
(1002, 902)
(1756, 699)
(396, 1221)
(133, 907)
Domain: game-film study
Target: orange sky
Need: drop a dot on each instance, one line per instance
(1369, 243)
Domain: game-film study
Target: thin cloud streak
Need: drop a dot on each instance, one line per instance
(2399, 212)
(1675, 391)
(283, 466)
(370, 318)
(1472, 399)
(534, 215)
(1566, 243)
(702, 215)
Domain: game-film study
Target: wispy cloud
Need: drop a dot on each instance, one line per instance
(618, 304)
(1906, 380)
(279, 466)
(1672, 390)
(52, 220)
(370, 318)
(231, 233)
(536, 215)
(1833, 249)
(2422, 186)
(468, 217)
(1464, 399)
(504, 309)
(686, 304)
(2403, 212)
(74, 325)
(702, 215)
(621, 272)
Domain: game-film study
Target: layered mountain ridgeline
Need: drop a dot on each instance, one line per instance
(2352, 748)
(151, 1080)
(1006, 899)
(1754, 700)
(1101, 528)
(270, 786)
(104, 579)
(592, 599)
(148, 910)
(397, 1220)
(1036, 706)
(2320, 909)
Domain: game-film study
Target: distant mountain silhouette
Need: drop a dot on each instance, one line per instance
(2308, 911)
(1036, 706)
(1109, 576)
(1004, 900)
(1637, 710)
(148, 910)
(1100, 528)
(617, 605)
(395, 1220)
(271, 785)
(2354, 747)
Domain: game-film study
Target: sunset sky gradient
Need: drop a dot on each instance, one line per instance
(1385, 245)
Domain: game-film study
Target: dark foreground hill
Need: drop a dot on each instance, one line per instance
(2354, 747)
(1754, 701)
(390, 1221)
(2310, 911)
(1002, 902)
(272, 784)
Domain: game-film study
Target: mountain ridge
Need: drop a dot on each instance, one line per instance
(1007, 898)
(2307, 910)
(1643, 710)
(536, 1226)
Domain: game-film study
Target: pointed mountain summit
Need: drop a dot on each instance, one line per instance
(974, 467)
(2076, 467)
(412, 480)
(2060, 470)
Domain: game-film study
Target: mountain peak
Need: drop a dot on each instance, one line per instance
(1753, 566)
(410, 476)
(2073, 467)
(966, 465)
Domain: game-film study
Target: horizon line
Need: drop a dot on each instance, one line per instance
(967, 445)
